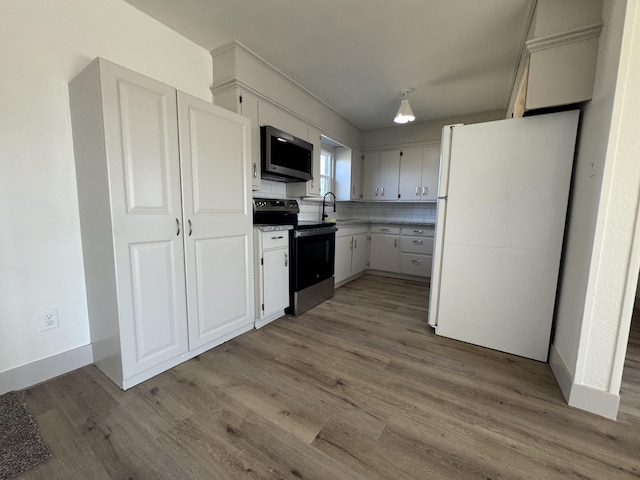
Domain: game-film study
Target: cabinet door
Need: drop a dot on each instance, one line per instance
(389, 173)
(343, 258)
(357, 166)
(275, 280)
(384, 252)
(360, 253)
(249, 109)
(371, 176)
(310, 188)
(430, 173)
(313, 185)
(410, 183)
(141, 140)
(215, 156)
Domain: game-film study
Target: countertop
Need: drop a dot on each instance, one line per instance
(377, 221)
(273, 228)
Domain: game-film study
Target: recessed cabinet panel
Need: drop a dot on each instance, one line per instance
(276, 279)
(145, 142)
(222, 289)
(158, 304)
(218, 166)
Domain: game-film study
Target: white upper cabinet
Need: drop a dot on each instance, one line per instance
(349, 166)
(158, 174)
(419, 168)
(389, 174)
(381, 173)
(310, 188)
(371, 176)
(246, 104)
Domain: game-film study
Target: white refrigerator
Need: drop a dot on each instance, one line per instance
(502, 203)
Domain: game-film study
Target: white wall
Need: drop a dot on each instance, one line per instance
(602, 259)
(42, 46)
(421, 132)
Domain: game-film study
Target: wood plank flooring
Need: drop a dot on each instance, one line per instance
(357, 388)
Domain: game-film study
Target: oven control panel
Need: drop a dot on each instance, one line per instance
(274, 205)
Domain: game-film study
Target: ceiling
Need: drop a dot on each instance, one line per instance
(460, 56)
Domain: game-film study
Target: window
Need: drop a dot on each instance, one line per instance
(326, 171)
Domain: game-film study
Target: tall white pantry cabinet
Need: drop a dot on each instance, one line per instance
(164, 194)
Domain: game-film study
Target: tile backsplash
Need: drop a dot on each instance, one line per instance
(311, 210)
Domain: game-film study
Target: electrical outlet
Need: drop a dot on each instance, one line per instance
(49, 319)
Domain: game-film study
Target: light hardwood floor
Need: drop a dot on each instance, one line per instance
(356, 388)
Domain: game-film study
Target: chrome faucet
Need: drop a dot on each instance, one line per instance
(324, 215)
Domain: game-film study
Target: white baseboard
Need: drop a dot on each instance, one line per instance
(560, 371)
(42, 370)
(581, 396)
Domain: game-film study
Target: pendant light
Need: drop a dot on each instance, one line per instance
(405, 114)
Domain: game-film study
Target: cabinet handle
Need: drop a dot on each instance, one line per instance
(417, 191)
(353, 190)
(190, 227)
(395, 243)
(417, 262)
(351, 244)
(418, 242)
(424, 191)
(277, 238)
(355, 243)
(286, 259)
(382, 190)
(178, 224)
(376, 191)
(255, 170)
(384, 229)
(418, 231)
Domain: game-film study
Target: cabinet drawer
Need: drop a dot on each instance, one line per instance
(360, 229)
(344, 231)
(423, 231)
(412, 244)
(278, 239)
(414, 264)
(385, 229)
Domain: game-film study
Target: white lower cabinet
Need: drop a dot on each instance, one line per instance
(405, 250)
(416, 251)
(383, 254)
(271, 275)
(164, 197)
(352, 252)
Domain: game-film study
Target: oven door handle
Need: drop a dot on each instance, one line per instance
(313, 232)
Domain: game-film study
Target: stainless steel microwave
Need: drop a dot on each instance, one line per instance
(285, 158)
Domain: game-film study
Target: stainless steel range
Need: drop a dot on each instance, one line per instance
(311, 249)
